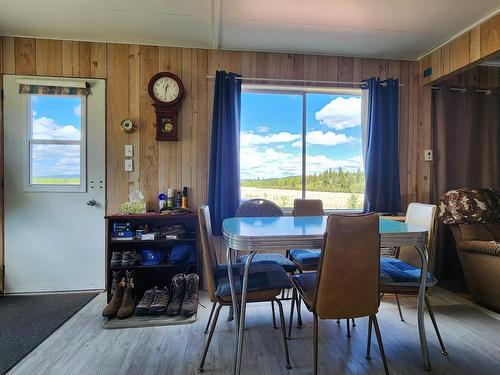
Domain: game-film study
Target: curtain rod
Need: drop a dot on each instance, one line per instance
(462, 89)
(362, 84)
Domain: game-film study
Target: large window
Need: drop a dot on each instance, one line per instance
(300, 144)
(56, 143)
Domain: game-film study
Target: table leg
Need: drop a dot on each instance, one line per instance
(422, 250)
(235, 304)
(241, 328)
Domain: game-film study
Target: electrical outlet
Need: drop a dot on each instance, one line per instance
(129, 165)
(427, 155)
(129, 150)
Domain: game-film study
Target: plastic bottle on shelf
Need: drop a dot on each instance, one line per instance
(178, 200)
(185, 197)
(170, 198)
(161, 202)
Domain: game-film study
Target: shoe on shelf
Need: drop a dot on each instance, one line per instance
(116, 259)
(160, 302)
(128, 303)
(130, 258)
(177, 294)
(143, 307)
(116, 301)
(189, 305)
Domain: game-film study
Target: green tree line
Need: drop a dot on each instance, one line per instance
(331, 180)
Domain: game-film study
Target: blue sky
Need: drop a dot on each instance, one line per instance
(271, 133)
(56, 118)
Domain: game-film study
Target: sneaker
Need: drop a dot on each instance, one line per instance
(116, 301)
(190, 303)
(143, 307)
(116, 259)
(128, 303)
(177, 294)
(160, 302)
(129, 258)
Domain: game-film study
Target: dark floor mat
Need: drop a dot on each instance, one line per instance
(26, 321)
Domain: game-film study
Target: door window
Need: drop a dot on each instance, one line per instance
(56, 143)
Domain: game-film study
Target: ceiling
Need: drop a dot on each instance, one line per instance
(384, 28)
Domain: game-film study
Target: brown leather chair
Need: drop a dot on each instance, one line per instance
(260, 287)
(346, 284)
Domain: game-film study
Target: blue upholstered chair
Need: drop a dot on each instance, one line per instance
(401, 275)
(265, 282)
(265, 208)
(306, 259)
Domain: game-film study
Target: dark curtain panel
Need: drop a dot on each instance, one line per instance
(382, 192)
(224, 171)
(467, 153)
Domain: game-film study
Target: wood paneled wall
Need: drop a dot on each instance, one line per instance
(128, 69)
(462, 52)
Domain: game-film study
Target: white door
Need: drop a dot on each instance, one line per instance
(54, 188)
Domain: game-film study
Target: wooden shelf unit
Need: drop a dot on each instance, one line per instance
(148, 276)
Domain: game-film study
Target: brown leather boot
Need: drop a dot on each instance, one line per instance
(128, 303)
(112, 308)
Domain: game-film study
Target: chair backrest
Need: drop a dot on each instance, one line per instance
(308, 207)
(347, 285)
(421, 215)
(259, 208)
(210, 264)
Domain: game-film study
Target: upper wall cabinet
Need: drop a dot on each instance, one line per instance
(459, 53)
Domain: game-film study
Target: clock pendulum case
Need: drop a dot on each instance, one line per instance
(167, 91)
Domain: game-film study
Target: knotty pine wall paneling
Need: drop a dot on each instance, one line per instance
(159, 165)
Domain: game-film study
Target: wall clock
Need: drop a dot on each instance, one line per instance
(166, 90)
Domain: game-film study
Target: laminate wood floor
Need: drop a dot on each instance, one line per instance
(82, 346)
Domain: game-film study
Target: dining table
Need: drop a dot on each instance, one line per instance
(253, 234)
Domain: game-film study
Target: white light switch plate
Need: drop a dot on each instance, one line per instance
(427, 155)
(129, 150)
(129, 165)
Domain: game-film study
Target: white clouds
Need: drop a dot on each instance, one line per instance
(56, 160)
(263, 129)
(256, 162)
(341, 113)
(78, 110)
(47, 128)
(329, 138)
(249, 138)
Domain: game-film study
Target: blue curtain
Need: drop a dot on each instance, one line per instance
(224, 170)
(382, 191)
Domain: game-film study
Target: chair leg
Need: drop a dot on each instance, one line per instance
(380, 344)
(431, 313)
(210, 317)
(212, 329)
(274, 315)
(369, 340)
(230, 316)
(348, 326)
(292, 305)
(299, 315)
(399, 308)
(338, 321)
(315, 339)
(283, 333)
(353, 323)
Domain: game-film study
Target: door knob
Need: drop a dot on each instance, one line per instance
(91, 202)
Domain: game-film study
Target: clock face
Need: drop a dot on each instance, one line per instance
(166, 89)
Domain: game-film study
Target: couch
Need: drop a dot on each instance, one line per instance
(474, 219)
